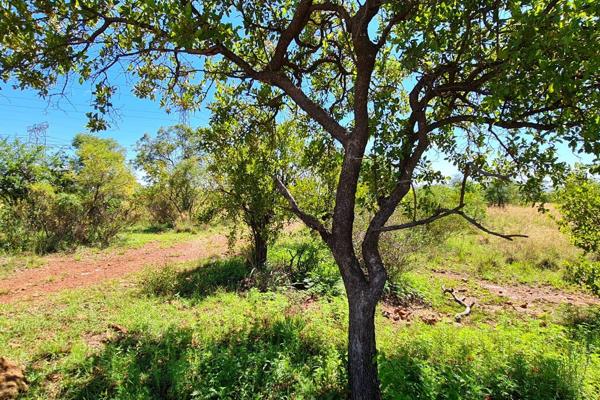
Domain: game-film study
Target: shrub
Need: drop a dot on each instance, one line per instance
(303, 263)
(579, 205)
(584, 272)
(86, 201)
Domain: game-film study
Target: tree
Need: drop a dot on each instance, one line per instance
(493, 85)
(247, 147)
(499, 193)
(105, 186)
(22, 165)
(174, 168)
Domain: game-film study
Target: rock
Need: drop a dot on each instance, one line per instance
(429, 319)
(12, 380)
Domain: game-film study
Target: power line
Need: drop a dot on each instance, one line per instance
(73, 104)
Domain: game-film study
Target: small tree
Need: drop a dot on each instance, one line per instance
(174, 169)
(499, 193)
(105, 186)
(246, 148)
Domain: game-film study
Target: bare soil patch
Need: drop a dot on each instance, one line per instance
(64, 272)
(524, 298)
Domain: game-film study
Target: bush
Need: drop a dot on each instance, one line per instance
(311, 267)
(86, 201)
(15, 235)
(584, 272)
(303, 263)
(579, 205)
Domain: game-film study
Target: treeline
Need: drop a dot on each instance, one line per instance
(188, 177)
(55, 201)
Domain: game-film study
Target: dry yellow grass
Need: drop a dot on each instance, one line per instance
(545, 244)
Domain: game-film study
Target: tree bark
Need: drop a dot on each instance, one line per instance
(259, 252)
(362, 349)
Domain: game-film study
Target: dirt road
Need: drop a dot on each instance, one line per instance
(64, 272)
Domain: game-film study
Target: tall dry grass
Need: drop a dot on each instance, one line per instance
(545, 246)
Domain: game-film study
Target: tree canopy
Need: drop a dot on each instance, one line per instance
(174, 168)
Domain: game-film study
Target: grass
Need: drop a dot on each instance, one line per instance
(537, 260)
(269, 345)
(11, 263)
(141, 236)
(198, 330)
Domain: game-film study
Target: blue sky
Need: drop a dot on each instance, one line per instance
(66, 118)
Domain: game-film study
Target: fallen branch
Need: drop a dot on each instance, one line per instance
(458, 317)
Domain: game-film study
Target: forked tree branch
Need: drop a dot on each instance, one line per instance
(444, 212)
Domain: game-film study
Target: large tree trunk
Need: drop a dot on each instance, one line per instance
(362, 350)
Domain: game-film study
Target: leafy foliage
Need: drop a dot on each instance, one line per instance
(247, 149)
(174, 168)
(500, 193)
(579, 205)
(52, 202)
(585, 273)
(493, 86)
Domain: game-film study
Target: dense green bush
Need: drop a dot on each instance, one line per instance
(304, 263)
(52, 203)
(584, 272)
(579, 204)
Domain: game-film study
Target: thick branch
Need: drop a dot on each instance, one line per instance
(491, 121)
(441, 213)
(313, 109)
(308, 219)
(486, 230)
(298, 23)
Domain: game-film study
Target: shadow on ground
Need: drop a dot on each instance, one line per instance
(197, 282)
(262, 362)
(281, 358)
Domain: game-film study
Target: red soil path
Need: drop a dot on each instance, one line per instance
(63, 272)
